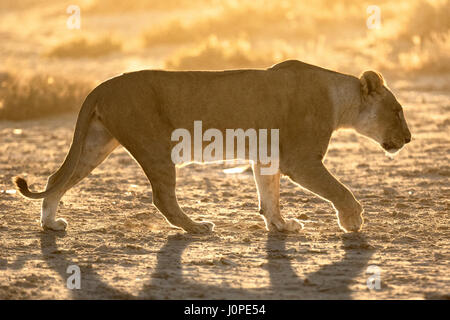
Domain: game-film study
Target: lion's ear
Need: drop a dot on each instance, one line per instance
(371, 81)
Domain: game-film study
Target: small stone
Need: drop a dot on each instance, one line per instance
(401, 206)
(425, 201)
(388, 191)
(307, 282)
(438, 256)
(303, 216)
(227, 262)
(399, 214)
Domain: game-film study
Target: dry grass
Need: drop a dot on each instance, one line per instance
(39, 96)
(258, 21)
(209, 34)
(428, 18)
(120, 6)
(214, 54)
(329, 34)
(423, 46)
(82, 48)
(430, 55)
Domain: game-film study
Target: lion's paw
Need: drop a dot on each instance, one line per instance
(350, 223)
(201, 227)
(59, 224)
(288, 225)
(292, 225)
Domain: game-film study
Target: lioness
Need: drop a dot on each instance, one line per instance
(139, 110)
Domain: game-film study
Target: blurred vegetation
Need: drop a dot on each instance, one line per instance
(235, 54)
(82, 47)
(118, 6)
(427, 38)
(39, 96)
(258, 21)
(413, 41)
(414, 38)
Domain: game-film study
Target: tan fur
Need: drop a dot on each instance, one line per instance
(306, 103)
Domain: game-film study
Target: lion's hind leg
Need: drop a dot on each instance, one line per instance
(156, 162)
(164, 198)
(98, 144)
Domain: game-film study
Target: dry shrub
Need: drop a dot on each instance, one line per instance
(172, 33)
(84, 48)
(231, 21)
(214, 54)
(413, 37)
(39, 96)
(257, 20)
(118, 6)
(428, 19)
(423, 46)
(431, 55)
(18, 5)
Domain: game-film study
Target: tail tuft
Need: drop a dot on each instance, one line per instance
(21, 184)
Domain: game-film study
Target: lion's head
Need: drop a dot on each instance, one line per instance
(381, 116)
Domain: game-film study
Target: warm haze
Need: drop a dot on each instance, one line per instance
(123, 245)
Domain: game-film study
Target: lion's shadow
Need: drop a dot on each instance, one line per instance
(59, 261)
(167, 281)
(329, 281)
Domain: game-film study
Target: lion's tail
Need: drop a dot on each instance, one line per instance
(65, 172)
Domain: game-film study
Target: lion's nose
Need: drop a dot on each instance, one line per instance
(407, 139)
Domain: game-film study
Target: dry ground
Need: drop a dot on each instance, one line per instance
(125, 249)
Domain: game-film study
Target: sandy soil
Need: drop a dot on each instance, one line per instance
(125, 249)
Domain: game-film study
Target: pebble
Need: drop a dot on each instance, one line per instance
(401, 206)
(303, 216)
(388, 191)
(227, 262)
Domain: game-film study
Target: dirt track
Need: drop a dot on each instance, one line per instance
(125, 249)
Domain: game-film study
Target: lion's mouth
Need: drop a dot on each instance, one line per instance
(390, 147)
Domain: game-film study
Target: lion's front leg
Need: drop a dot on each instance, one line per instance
(313, 176)
(269, 202)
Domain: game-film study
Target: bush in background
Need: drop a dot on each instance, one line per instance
(39, 96)
(84, 48)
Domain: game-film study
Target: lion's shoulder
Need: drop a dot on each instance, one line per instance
(287, 64)
(302, 66)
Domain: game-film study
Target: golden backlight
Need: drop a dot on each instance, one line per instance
(54, 52)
